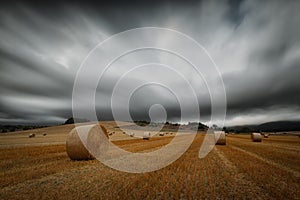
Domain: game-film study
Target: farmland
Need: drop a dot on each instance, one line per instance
(39, 168)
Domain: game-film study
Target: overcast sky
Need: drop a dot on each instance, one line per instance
(255, 44)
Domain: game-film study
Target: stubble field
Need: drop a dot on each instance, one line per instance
(39, 168)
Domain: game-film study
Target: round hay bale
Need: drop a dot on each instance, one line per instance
(131, 134)
(220, 137)
(146, 135)
(161, 134)
(44, 134)
(31, 135)
(91, 136)
(256, 137)
(266, 135)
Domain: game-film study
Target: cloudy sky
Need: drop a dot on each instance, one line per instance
(255, 45)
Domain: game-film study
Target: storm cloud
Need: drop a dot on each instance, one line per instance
(256, 46)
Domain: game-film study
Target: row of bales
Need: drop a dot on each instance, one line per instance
(220, 137)
(145, 134)
(132, 134)
(257, 137)
(94, 135)
(76, 150)
(32, 135)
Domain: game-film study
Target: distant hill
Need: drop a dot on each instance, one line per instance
(275, 126)
(280, 126)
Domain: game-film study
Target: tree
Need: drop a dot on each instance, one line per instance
(214, 126)
(225, 129)
(71, 120)
(245, 130)
(202, 126)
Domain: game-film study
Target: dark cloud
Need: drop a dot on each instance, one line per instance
(255, 44)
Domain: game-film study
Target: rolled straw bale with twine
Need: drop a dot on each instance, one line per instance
(220, 137)
(86, 142)
(256, 137)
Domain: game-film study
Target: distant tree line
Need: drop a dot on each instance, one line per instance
(13, 128)
(170, 125)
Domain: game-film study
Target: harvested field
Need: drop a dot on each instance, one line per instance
(240, 170)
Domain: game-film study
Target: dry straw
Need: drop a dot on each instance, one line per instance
(220, 137)
(94, 138)
(256, 137)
